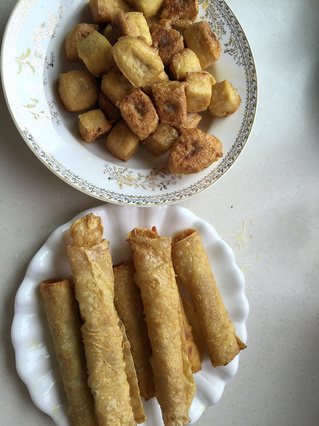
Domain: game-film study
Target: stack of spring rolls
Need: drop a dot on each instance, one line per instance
(122, 332)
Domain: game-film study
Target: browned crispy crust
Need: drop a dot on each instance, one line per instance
(193, 151)
(138, 111)
(181, 12)
(168, 42)
(170, 102)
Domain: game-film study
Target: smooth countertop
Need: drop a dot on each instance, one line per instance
(266, 208)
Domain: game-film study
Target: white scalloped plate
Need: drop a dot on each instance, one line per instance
(32, 59)
(35, 358)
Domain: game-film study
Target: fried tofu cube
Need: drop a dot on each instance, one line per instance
(78, 90)
(106, 10)
(78, 33)
(94, 51)
(170, 102)
(109, 34)
(131, 24)
(201, 39)
(161, 140)
(137, 60)
(140, 115)
(147, 7)
(111, 111)
(93, 125)
(121, 141)
(198, 90)
(193, 151)
(181, 12)
(192, 122)
(183, 62)
(168, 42)
(225, 99)
(115, 85)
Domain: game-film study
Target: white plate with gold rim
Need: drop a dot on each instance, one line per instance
(35, 359)
(33, 57)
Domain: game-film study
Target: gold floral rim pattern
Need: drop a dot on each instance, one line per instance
(39, 110)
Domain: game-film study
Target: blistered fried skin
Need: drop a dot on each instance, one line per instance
(140, 115)
(200, 38)
(196, 331)
(168, 42)
(137, 60)
(192, 267)
(91, 265)
(131, 24)
(225, 99)
(174, 382)
(192, 122)
(78, 33)
(106, 10)
(180, 12)
(193, 151)
(65, 328)
(170, 102)
(129, 305)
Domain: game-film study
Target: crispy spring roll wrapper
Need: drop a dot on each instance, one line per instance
(129, 306)
(136, 401)
(196, 331)
(174, 383)
(192, 267)
(92, 271)
(64, 323)
(192, 350)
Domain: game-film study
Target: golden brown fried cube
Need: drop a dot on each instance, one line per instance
(192, 122)
(111, 111)
(148, 7)
(115, 85)
(225, 99)
(201, 39)
(170, 102)
(140, 115)
(183, 62)
(121, 141)
(93, 125)
(159, 142)
(78, 33)
(137, 60)
(109, 34)
(105, 10)
(193, 151)
(168, 42)
(131, 24)
(78, 90)
(94, 51)
(181, 12)
(198, 90)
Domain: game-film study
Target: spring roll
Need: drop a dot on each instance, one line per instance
(64, 324)
(192, 267)
(192, 350)
(135, 395)
(129, 306)
(196, 331)
(92, 271)
(174, 383)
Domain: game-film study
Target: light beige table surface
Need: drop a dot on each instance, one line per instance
(271, 194)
